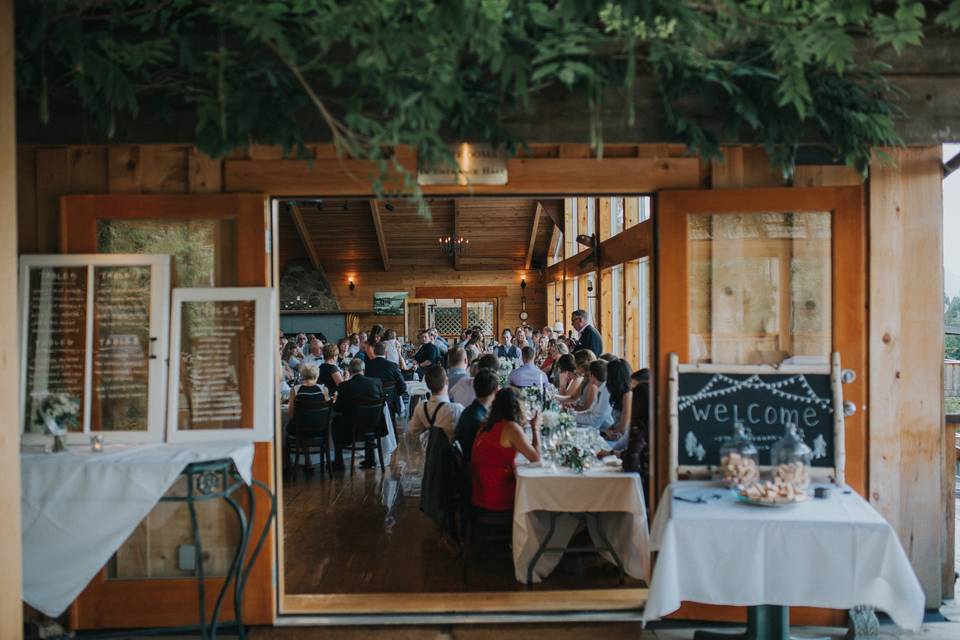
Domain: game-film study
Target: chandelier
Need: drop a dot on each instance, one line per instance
(450, 246)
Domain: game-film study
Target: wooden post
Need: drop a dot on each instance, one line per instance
(839, 434)
(11, 608)
(906, 356)
(673, 395)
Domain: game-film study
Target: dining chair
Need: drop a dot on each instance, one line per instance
(368, 427)
(310, 433)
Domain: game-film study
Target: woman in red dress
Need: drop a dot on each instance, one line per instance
(495, 449)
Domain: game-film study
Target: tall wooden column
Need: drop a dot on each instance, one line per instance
(10, 607)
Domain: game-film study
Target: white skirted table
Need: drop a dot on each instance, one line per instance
(836, 553)
(79, 507)
(543, 518)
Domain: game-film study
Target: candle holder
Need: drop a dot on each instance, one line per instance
(96, 443)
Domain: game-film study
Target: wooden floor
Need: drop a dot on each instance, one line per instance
(366, 534)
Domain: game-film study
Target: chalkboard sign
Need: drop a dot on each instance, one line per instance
(708, 405)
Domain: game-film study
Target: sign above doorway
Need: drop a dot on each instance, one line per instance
(478, 164)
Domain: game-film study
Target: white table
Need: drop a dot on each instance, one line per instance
(78, 507)
(417, 388)
(615, 497)
(833, 553)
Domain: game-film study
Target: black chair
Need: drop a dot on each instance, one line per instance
(392, 397)
(309, 432)
(368, 427)
(485, 532)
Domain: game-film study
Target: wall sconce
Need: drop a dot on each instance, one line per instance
(523, 283)
(352, 285)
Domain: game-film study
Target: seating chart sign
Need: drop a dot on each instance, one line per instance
(216, 360)
(709, 404)
(56, 333)
(121, 348)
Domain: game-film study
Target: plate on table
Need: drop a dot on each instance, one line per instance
(762, 503)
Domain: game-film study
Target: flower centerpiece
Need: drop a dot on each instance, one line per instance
(572, 456)
(503, 371)
(55, 413)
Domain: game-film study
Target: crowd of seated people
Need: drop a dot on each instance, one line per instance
(466, 403)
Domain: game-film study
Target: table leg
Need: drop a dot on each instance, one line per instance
(540, 550)
(609, 547)
(764, 622)
(201, 595)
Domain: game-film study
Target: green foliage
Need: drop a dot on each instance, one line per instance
(384, 73)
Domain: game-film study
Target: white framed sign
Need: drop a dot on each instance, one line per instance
(222, 364)
(93, 337)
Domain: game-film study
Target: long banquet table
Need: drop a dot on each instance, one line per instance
(78, 507)
(616, 498)
(834, 553)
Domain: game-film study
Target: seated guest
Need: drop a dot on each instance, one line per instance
(354, 344)
(495, 449)
(329, 371)
(527, 374)
(485, 385)
(375, 336)
(569, 378)
(597, 411)
(307, 389)
(583, 397)
(315, 357)
(456, 365)
(343, 350)
(521, 340)
(358, 389)
(608, 357)
(439, 340)
(463, 392)
(290, 357)
(428, 354)
(620, 388)
(438, 411)
(392, 349)
(385, 370)
(361, 340)
(557, 350)
(547, 333)
(472, 354)
(506, 348)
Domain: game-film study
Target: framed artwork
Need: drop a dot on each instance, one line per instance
(389, 303)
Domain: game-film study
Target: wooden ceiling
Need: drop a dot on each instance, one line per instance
(369, 235)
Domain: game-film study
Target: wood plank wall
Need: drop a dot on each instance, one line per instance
(10, 606)
(906, 358)
(904, 334)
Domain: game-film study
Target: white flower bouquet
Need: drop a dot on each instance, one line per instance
(56, 413)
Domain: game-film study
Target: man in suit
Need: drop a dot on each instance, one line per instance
(589, 336)
(359, 388)
(386, 372)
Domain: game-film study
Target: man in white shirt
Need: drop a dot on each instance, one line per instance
(315, 357)
(457, 365)
(463, 392)
(529, 374)
(438, 411)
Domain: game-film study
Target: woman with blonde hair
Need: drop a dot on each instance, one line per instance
(308, 388)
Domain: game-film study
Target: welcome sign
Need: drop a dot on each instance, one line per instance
(710, 403)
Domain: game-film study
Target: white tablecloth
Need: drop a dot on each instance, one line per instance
(617, 496)
(833, 553)
(417, 388)
(78, 507)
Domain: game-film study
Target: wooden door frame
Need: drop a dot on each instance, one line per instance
(173, 601)
(849, 291)
(849, 317)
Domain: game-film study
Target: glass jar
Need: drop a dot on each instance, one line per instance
(790, 461)
(739, 462)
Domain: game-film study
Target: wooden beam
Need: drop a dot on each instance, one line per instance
(479, 291)
(556, 235)
(554, 209)
(632, 244)
(304, 234)
(527, 176)
(537, 210)
(381, 237)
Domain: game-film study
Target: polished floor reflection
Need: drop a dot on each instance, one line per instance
(366, 534)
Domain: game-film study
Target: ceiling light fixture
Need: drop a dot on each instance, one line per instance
(450, 246)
